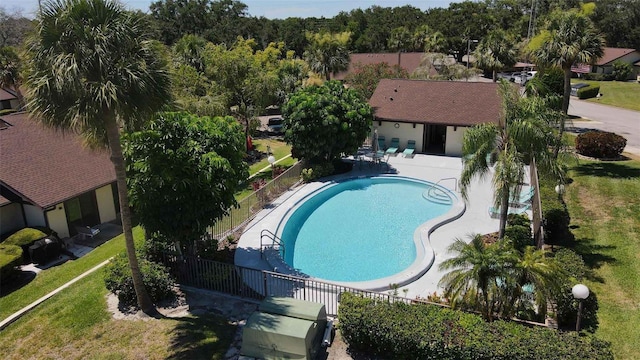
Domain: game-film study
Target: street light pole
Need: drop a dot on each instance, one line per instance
(580, 292)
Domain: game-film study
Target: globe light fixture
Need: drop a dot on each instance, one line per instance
(272, 160)
(580, 292)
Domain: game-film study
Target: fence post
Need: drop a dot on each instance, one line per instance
(264, 279)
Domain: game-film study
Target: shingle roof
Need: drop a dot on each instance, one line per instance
(612, 54)
(47, 166)
(452, 103)
(408, 61)
(5, 94)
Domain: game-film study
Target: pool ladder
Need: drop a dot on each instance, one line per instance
(437, 195)
(272, 241)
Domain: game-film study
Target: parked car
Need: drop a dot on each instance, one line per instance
(522, 78)
(274, 125)
(577, 86)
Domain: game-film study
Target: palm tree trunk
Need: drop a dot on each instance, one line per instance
(565, 109)
(495, 75)
(504, 211)
(113, 136)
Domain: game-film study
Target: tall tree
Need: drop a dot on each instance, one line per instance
(10, 76)
(93, 71)
(191, 165)
(322, 122)
(327, 53)
(401, 40)
(495, 52)
(523, 132)
(569, 38)
(365, 78)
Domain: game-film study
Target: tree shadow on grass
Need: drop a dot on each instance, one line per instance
(203, 337)
(19, 280)
(614, 170)
(594, 256)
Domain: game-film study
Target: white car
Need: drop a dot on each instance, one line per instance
(522, 78)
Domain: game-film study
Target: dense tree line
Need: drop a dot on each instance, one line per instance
(376, 29)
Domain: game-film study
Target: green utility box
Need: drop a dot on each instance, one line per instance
(284, 328)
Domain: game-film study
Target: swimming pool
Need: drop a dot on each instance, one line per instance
(366, 229)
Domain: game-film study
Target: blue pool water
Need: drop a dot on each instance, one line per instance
(358, 230)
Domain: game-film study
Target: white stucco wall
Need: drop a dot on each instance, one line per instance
(58, 220)
(404, 132)
(11, 218)
(453, 146)
(34, 215)
(106, 206)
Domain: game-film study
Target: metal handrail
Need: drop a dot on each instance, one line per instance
(435, 187)
(274, 240)
(455, 184)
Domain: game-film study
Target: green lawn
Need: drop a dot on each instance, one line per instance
(622, 94)
(279, 149)
(604, 203)
(75, 324)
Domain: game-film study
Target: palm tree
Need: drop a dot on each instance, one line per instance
(475, 271)
(94, 70)
(569, 38)
(523, 133)
(495, 52)
(327, 53)
(10, 76)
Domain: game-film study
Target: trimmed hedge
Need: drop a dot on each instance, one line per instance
(588, 92)
(402, 331)
(555, 214)
(598, 77)
(600, 144)
(10, 258)
(24, 237)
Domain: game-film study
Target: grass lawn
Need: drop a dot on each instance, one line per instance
(604, 203)
(75, 324)
(50, 279)
(279, 149)
(622, 94)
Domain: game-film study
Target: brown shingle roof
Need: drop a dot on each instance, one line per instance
(6, 95)
(48, 167)
(408, 61)
(453, 103)
(612, 54)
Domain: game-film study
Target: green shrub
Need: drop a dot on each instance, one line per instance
(600, 144)
(317, 171)
(598, 77)
(156, 279)
(566, 305)
(10, 258)
(402, 331)
(519, 235)
(24, 237)
(555, 214)
(518, 220)
(621, 70)
(588, 92)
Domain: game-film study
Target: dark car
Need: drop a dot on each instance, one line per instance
(577, 86)
(274, 125)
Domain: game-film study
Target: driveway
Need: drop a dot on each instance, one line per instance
(608, 118)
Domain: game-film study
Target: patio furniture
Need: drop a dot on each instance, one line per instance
(381, 143)
(525, 197)
(87, 231)
(411, 147)
(393, 148)
(495, 212)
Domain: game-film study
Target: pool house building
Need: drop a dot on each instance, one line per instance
(435, 114)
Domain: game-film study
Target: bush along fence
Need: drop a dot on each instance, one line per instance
(248, 207)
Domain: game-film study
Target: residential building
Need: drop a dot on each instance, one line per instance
(49, 178)
(435, 114)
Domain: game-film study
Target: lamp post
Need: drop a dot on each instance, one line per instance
(560, 190)
(469, 41)
(272, 161)
(580, 292)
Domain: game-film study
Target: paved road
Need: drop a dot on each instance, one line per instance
(609, 118)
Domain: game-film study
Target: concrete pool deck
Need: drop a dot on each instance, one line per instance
(475, 219)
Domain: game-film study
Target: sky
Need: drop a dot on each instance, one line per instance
(278, 9)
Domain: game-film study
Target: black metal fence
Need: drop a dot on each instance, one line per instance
(248, 207)
(257, 284)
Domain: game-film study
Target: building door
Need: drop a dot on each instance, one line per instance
(82, 211)
(435, 137)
